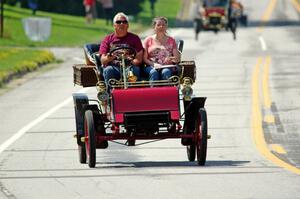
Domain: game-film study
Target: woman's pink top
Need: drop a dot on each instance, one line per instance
(158, 52)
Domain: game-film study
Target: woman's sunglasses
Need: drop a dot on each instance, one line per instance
(121, 22)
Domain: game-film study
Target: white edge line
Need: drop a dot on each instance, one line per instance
(23, 130)
(262, 43)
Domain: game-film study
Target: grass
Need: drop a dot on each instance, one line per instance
(18, 61)
(18, 54)
(66, 30)
(71, 31)
(171, 6)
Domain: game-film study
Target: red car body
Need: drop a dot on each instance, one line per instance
(136, 100)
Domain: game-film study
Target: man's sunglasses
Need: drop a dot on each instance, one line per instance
(121, 22)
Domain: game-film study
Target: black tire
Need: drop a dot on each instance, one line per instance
(190, 145)
(131, 142)
(191, 152)
(201, 135)
(81, 145)
(82, 153)
(90, 142)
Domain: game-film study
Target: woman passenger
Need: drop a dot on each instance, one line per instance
(160, 50)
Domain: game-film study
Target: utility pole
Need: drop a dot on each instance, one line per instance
(1, 18)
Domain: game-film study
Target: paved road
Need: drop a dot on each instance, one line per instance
(253, 112)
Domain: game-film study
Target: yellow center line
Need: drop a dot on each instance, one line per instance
(296, 4)
(257, 129)
(269, 118)
(278, 148)
(265, 82)
(267, 14)
(256, 113)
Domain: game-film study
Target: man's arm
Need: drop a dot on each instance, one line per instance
(138, 58)
(104, 52)
(106, 58)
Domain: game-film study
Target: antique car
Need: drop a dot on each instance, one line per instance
(214, 16)
(137, 110)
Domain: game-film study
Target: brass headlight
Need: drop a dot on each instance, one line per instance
(187, 90)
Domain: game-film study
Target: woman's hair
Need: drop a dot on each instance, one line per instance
(120, 14)
(156, 19)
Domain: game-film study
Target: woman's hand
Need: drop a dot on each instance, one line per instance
(171, 60)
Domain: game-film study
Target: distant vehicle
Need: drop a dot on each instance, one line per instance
(215, 16)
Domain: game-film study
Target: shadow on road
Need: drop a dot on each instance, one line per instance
(168, 164)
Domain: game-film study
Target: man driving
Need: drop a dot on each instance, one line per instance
(120, 38)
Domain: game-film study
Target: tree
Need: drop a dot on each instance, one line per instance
(2, 18)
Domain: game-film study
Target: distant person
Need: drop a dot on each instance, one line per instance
(108, 7)
(198, 12)
(90, 10)
(235, 11)
(33, 5)
(152, 7)
(160, 50)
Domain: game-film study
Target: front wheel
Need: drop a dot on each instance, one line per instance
(201, 137)
(90, 138)
(82, 153)
(191, 152)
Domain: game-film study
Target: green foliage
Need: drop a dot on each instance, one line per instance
(72, 7)
(75, 7)
(66, 30)
(73, 31)
(130, 7)
(166, 8)
(21, 60)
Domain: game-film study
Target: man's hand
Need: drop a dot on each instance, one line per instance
(138, 58)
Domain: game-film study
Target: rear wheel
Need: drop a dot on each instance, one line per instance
(80, 100)
(201, 136)
(90, 139)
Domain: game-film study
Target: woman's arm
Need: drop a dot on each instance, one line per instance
(146, 59)
(176, 56)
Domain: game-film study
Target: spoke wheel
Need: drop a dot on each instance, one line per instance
(90, 139)
(201, 137)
